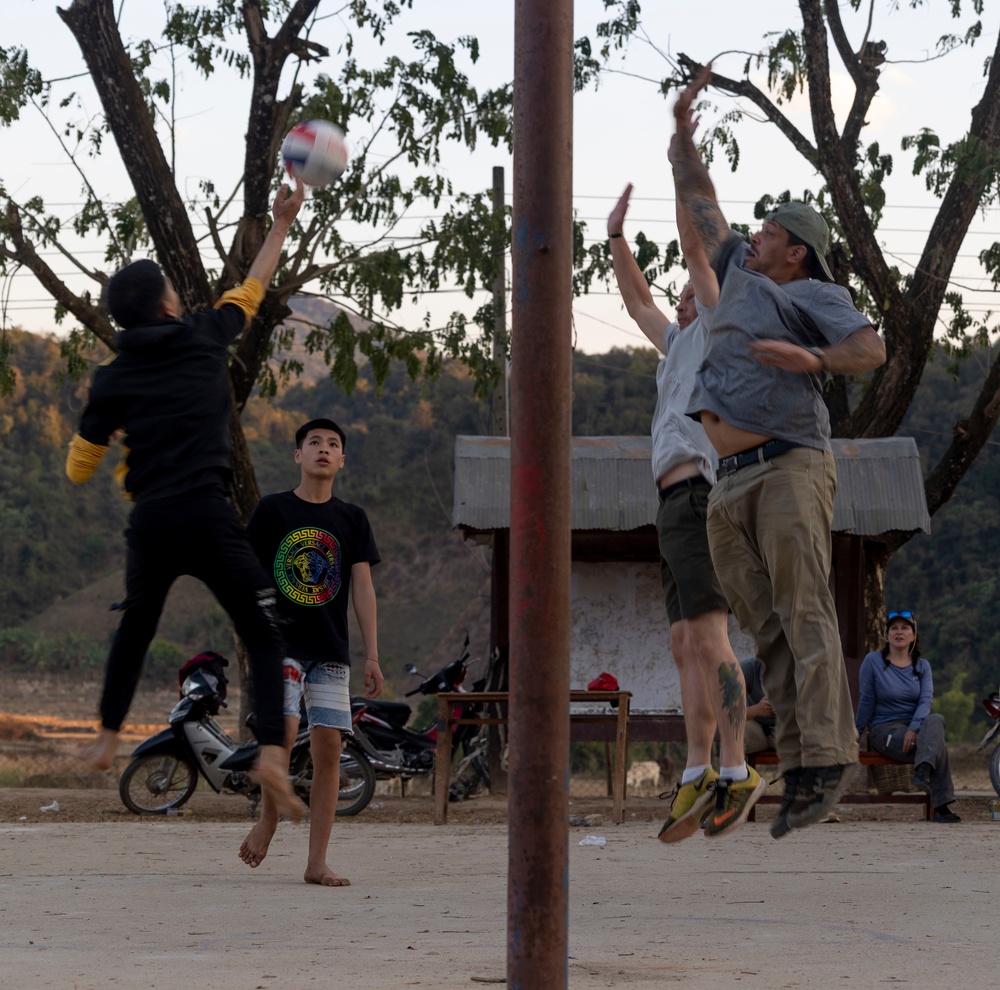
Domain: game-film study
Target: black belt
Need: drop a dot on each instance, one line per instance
(755, 455)
(695, 479)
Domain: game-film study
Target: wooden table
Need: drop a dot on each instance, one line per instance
(446, 725)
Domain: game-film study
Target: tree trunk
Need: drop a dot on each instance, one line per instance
(93, 25)
(876, 558)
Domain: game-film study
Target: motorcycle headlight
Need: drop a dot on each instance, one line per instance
(199, 686)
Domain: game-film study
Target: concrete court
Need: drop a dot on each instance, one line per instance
(170, 905)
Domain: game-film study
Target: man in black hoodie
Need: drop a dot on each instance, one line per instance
(167, 389)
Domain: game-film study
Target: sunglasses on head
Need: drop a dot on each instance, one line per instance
(899, 615)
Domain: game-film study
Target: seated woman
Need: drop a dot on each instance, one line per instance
(895, 706)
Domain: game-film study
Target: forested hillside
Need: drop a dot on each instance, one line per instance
(58, 539)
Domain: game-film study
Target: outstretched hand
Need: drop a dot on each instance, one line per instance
(616, 218)
(682, 108)
(287, 203)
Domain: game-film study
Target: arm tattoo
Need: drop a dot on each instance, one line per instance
(861, 351)
(696, 194)
(709, 224)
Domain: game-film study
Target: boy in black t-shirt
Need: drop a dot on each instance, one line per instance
(317, 548)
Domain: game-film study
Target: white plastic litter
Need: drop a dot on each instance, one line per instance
(50, 807)
(593, 840)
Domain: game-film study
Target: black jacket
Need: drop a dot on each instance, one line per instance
(168, 389)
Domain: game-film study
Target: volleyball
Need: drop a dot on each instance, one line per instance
(314, 152)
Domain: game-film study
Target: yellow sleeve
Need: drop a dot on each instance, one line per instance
(247, 296)
(83, 458)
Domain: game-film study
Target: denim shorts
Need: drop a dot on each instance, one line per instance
(325, 690)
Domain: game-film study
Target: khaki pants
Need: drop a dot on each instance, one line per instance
(769, 530)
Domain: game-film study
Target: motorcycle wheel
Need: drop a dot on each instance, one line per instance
(153, 784)
(357, 779)
(995, 769)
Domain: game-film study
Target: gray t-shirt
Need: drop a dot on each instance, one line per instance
(677, 438)
(760, 398)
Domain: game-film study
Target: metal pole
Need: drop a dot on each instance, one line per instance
(538, 866)
(498, 398)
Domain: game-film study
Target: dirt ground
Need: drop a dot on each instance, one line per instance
(103, 805)
(165, 903)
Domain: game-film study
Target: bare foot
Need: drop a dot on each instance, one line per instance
(256, 844)
(101, 753)
(272, 772)
(325, 877)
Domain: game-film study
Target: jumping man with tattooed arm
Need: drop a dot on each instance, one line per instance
(780, 322)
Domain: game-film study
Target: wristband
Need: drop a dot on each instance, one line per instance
(616, 235)
(373, 659)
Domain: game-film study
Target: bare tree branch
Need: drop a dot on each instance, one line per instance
(746, 89)
(86, 312)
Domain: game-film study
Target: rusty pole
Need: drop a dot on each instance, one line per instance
(498, 397)
(538, 863)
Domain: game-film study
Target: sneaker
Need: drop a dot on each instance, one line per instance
(820, 788)
(691, 802)
(780, 825)
(945, 814)
(733, 801)
(921, 778)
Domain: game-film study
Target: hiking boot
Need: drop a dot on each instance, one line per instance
(819, 790)
(691, 802)
(945, 814)
(780, 826)
(921, 778)
(733, 801)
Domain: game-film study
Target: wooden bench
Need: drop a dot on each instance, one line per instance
(866, 758)
(446, 724)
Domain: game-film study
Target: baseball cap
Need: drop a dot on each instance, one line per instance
(808, 226)
(906, 617)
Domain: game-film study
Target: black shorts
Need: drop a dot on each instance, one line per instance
(690, 587)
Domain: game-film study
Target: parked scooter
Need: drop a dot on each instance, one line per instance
(397, 751)
(165, 768)
(992, 706)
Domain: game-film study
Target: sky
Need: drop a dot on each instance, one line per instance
(621, 130)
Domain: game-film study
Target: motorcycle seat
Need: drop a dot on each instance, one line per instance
(394, 712)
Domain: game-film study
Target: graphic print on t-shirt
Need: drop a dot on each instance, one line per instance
(307, 566)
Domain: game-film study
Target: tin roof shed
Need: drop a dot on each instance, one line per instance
(880, 485)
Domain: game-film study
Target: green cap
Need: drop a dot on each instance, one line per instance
(808, 226)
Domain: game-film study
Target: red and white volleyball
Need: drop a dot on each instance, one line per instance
(315, 152)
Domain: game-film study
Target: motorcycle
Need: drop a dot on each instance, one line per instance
(397, 751)
(165, 768)
(992, 706)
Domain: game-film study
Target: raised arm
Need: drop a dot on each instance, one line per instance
(250, 294)
(695, 191)
(700, 272)
(652, 321)
(284, 211)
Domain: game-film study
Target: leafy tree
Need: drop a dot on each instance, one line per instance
(963, 175)
(400, 114)
(957, 707)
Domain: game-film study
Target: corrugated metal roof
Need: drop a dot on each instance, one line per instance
(880, 485)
